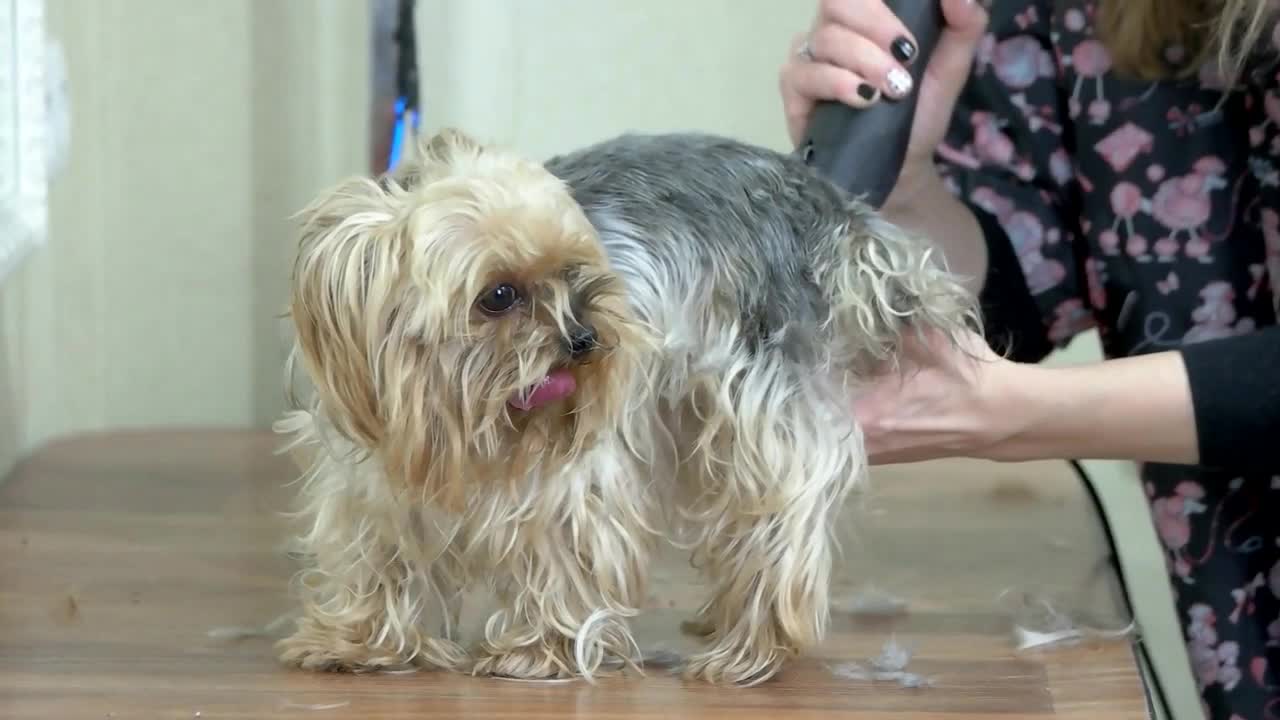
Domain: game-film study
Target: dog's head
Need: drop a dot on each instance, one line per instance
(460, 313)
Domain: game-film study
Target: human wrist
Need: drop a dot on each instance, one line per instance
(1017, 412)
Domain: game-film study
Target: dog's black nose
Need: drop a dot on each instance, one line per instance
(581, 341)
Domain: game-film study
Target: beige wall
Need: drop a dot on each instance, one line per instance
(544, 76)
(198, 127)
(548, 75)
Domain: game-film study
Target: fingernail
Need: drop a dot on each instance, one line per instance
(899, 82)
(903, 49)
(865, 91)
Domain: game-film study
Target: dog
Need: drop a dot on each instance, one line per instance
(526, 374)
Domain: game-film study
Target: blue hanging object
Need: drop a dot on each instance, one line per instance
(406, 109)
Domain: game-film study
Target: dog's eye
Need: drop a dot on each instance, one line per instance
(499, 299)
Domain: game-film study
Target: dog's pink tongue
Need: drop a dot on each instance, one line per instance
(555, 386)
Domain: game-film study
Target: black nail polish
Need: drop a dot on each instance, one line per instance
(903, 49)
(865, 91)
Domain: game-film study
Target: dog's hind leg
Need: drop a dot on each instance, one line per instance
(769, 475)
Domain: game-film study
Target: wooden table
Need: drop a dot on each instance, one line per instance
(120, 553)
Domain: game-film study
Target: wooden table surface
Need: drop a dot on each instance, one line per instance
(119, 554)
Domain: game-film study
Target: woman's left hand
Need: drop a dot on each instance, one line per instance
(946, 400)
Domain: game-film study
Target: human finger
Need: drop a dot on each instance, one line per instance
(952, 59)
(842, 47)
(873, 20)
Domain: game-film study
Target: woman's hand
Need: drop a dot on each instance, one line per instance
(963, 400)
(858, 52)
(945, 400)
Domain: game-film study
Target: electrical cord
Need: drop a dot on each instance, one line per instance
(1139, 643)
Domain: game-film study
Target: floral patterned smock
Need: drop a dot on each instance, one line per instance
(1150, 211)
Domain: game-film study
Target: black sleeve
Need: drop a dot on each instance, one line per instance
(1010, 314)
(1235, 390)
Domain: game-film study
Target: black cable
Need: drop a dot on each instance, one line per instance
(407, 59)
(1139, 643)
(406, 112)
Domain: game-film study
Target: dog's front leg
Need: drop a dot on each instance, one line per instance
(374, 594)
(569, 575)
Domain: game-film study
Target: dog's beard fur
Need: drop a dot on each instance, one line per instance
(711, 403)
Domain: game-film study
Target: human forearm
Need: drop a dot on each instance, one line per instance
(1137, 408)
(922, 205)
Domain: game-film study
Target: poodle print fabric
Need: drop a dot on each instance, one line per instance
(1150, 211)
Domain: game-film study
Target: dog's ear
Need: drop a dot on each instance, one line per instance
(447, 146)
(434, 156)
(340, 300)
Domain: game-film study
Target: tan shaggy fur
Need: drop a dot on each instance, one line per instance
(420, 485)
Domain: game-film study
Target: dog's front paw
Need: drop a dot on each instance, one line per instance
(309, 651)
(732, 666)
(541, 661)
(321, 649)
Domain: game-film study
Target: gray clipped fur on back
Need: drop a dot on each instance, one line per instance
(689, 214)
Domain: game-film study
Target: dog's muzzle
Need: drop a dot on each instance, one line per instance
(580, 341)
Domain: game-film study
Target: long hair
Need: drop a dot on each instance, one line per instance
(1138, 34)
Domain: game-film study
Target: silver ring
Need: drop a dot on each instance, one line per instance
(805, 51)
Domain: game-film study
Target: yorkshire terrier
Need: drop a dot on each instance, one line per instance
(525, 374)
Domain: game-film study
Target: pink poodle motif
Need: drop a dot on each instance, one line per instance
(1020, 61)
(1216, 315)
(1075, 20)
(1229, 674)
(1183, 205)
(991, 145)
(1126, 203)
(1172, 515)
(1028, 237)
(1091, 61)
(1213, 663)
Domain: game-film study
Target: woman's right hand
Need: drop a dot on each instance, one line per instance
(860, 51)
